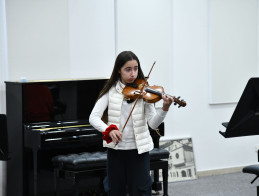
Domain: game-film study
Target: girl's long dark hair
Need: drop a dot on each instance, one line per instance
(121, 59)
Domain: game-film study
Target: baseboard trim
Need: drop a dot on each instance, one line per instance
(219, 171)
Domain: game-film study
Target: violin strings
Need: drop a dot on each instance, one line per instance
(150, 90)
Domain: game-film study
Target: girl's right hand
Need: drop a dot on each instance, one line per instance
(116, 136)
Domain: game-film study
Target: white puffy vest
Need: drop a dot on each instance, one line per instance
(144, 141)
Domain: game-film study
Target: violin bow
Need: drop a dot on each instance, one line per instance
(141, 91)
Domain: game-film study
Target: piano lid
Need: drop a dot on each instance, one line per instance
(245, 119)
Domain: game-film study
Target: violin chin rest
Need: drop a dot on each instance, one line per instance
(130, 101)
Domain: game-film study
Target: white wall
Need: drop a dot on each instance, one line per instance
(233, 47)
(81, 39)
(200, 120)
(145, 28)
(91, 38)
(38, 39)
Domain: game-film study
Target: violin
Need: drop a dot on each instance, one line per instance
(150, 94)
(140, 89)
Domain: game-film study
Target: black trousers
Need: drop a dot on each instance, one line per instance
(128, 172)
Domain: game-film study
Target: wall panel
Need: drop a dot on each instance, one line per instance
(144, 27)
(91, 38)
(233, 47)
(37, 39)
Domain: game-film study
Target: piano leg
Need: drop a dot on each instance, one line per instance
(76, 185)
(35, 172)
(56, 181)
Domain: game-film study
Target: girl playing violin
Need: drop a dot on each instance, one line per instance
(128, 167)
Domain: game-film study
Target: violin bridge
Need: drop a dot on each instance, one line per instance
(140, 86)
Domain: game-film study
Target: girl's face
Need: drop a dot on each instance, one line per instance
(129, 71)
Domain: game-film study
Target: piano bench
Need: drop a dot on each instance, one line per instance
(252, 169)
(92, 164)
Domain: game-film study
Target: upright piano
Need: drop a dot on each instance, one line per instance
(44, 119)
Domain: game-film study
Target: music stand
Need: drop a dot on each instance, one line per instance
(245, 119)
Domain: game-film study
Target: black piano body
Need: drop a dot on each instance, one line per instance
(48, 118)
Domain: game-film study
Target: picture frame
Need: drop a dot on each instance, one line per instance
(181, 162)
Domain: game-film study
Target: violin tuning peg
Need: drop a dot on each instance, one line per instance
(178, 97)
(175, 103)
(179, 106)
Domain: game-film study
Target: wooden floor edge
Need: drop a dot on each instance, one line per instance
(219, 171)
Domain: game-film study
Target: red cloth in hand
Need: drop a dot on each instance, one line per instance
(106, 136)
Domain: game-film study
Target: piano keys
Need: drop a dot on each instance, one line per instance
(65, 134)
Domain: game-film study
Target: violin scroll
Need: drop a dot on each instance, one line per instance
(181, 103)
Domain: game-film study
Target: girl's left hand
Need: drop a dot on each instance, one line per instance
(167, 102)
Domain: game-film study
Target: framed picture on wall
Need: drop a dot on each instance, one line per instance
(181, 164)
